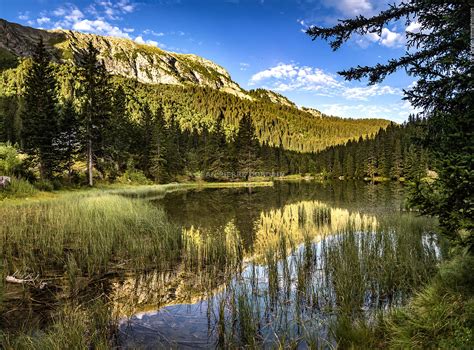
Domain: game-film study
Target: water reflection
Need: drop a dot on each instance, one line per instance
(278, 266)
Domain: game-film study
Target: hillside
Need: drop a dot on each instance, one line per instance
(196, 90)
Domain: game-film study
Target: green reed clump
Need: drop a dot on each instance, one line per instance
(331, 293)
(96, 232)
(74, 327)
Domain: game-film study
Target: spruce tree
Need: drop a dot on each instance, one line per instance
(68, 139)
(40, 115)
(247, 148)
(95, 95)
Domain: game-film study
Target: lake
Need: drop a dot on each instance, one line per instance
(288, 265)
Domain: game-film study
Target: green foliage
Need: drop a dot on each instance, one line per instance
(390, 154)
(98, 231)
(7, 59)
(440, 316)
(10, 161)
(44, 185)
(298, 130)
(96, 105)
(74, 327)
(18, 188)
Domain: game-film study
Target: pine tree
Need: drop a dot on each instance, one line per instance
(40, 116)
(95, 95)
(217, 150)
(158, 168)
(397, 161)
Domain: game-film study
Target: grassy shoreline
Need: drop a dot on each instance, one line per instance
(41, 196)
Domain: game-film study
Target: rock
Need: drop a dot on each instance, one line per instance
(4, 181)
(146, 63)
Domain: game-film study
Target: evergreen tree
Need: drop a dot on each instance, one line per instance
(68, 138)
(158, 165)
(247, 148)
(396, 170)
(40, 116)
(119, 133)
(95, 95)
(217, 162)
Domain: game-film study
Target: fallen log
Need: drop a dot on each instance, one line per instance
(13, 279)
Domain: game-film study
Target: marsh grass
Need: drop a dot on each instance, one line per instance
(73, 327)
(335, 287)
(315, 276)
(91, 234)
(18, 188)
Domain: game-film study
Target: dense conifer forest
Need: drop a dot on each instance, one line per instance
(71, 119)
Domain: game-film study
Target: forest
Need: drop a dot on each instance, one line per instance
(120, 130)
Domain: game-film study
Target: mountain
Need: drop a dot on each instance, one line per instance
(194, 90)
(145, 63)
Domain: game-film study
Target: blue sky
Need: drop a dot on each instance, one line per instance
(261, 43)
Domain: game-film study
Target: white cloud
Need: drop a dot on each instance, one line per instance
(352, 8)
(152, 32)
(363, 93)
(24, 16)
(112, 10)
(388, 38)
(139, 39)
(244, 66)
(43, 20)
(128, 30)
(413, 27)
(295, 78)
(398, 112)
(391, 39)
(100, 27)
(288, 77)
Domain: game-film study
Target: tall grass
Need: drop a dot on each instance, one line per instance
(73, 327)
(95, 233)
(333, 286)
(18, 188)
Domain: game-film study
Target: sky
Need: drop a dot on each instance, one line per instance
(261, 43)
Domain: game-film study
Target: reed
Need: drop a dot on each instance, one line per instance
(98, 233)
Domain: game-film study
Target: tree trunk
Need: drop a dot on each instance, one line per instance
(89, 162)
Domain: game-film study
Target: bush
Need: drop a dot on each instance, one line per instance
(18, 188)
(44, 185)
(10, 160)
(134, 177)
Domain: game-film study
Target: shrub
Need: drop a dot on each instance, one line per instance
(10, 160)
(44, 185)
(134, 177)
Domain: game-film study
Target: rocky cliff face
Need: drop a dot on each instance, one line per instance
(147, 64)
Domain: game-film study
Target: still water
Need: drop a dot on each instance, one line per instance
(279, 265)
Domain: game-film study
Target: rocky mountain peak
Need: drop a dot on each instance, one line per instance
(148, 64)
